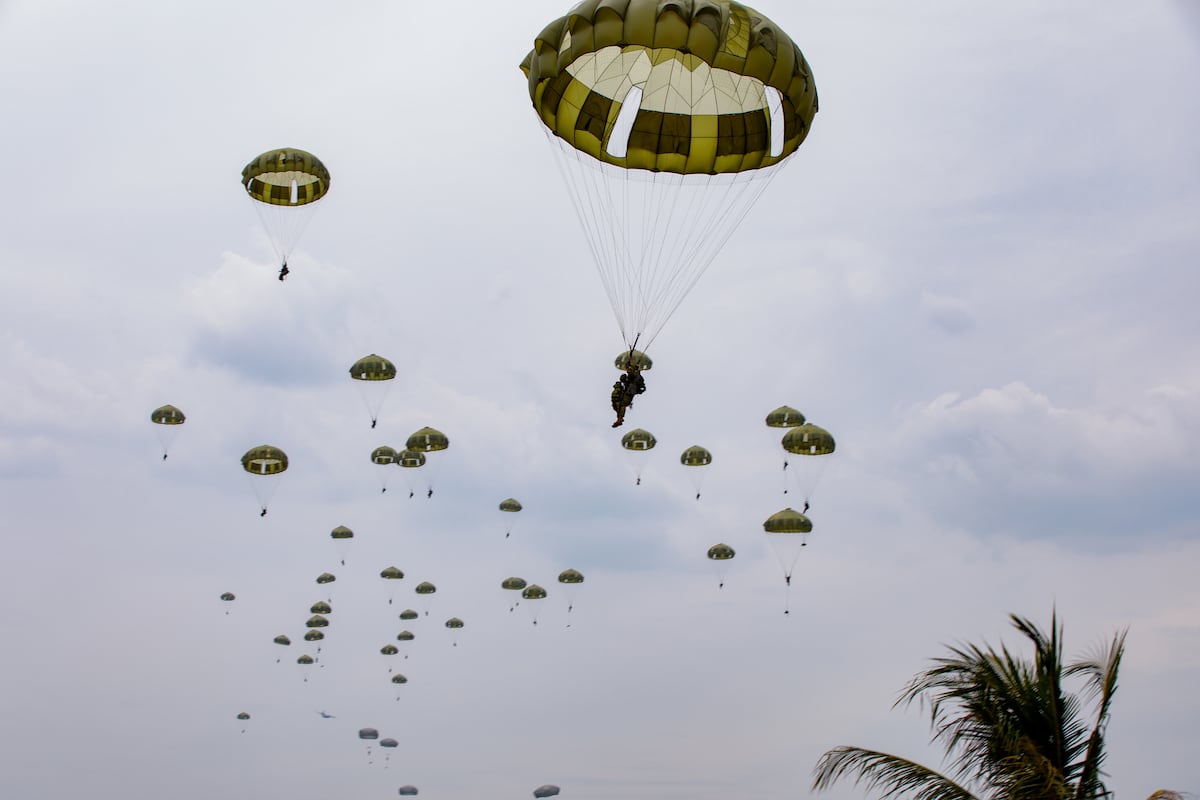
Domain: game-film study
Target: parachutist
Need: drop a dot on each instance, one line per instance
(788, 579)
(429, 493)
(697, 495)
(630, 385)
(383, 490)
(410, 495)
(164, 456)
(639, 481)
(373, 423)
(805, 511)
(263, 513)
(283, 271)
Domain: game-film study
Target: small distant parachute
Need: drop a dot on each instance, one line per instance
(317, 621)
(781, 419)
(510, 505)
(428, 440)
(411, 461)
(696, 456)
(455, 624)
(374, 375)
(285, 185)
(321, 607)
(389, 650)
(326, 577)
(530, 593)
(391, 575)
(228, 597)
(408, 614)
(398, 681)
(342, 537)
(636, 357)
(243, 716)
(570, 580)
(405, 636)
(167, 420)
(265, 464)
(513, 584)
(546, 790)
(388, 743)
(408, 791)
(426, 590)
(313, 635)
(282, 640)
(786, 530)
(719, 554)
(305, 661)
(368, 733)
(638, 441)
(812, 443)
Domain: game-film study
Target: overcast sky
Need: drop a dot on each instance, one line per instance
(978, 272)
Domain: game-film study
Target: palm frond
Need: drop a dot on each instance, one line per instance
(889, 775)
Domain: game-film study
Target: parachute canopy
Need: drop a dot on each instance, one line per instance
(638, 439)
(636, 357)
(391, 574)
(341, 532)
(695, 456)
(321, 607)
(721, 552)
(533, 592)
(281, 639)
(228, 596)
(427, 440)
(326, 577)
(372, 368)
(388, 743)
(398, 678)
(408, 614)
(384, 455)
(808, 440)
(784, 417)
(243, 715)
(167, 415)
(405, 636)
(313, 635)
(668, 119)
(454, 622)
(368, 733)
(408, 790)
(570, 576)
(515, 584)
(787, 521)
(511, 504)
(284, 185)
(264, 460)
(546, 790)
(410, 458)
(317, 621)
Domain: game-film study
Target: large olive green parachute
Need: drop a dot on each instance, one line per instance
(533, 592)
(570, 576)
(668, 119)
(695, 456)
(284, 185)
(787, 521)
(410, 459)
(425, 587)
(384, 455)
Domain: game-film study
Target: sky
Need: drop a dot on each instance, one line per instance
(977, 273)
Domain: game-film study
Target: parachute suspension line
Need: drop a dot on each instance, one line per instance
(284, 224)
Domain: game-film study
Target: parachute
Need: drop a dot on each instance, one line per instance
(325, 577)
(313, 635)
(391, 574)
(696, 456)
(668, 120)
(638, 441)
(570, 580)
(811, 442)
(455, 624)
(167, 420)
(637, 357)
(373, 374)
(408, 790)
(282, 640)
(426, 590)
(384, 456)
(510, 506)
(265, 464)
(411, 461)
(243, 716)
(317, 621)
(719, 554)
(341, 536)
(427, 440)
(546, 790)
(405, 636)
(513, 584)
(408, 614)
(783, 418)
(533, 592)
(228, 597)
(786, 531)
(285, 185)
(368, 733)
(320, 607)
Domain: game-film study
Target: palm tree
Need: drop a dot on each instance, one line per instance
(1009, 729)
